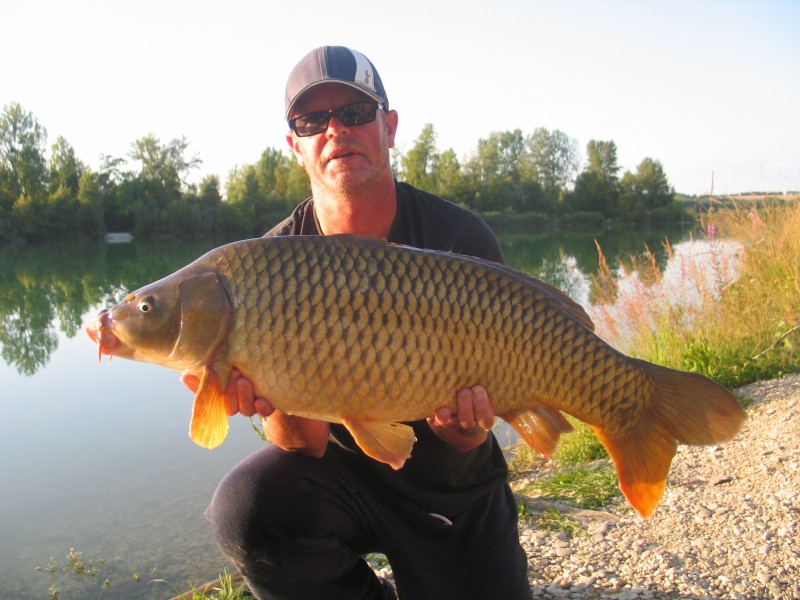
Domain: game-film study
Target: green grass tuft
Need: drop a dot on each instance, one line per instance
(589, 486)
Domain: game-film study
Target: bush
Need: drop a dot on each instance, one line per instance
(586, 221)
(510, 222)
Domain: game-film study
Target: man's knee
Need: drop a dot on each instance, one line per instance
(248, 499)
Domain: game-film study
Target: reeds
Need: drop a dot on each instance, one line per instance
(727, 305)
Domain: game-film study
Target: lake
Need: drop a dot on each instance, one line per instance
(103, 492)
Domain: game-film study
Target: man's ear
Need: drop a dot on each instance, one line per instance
(291, 140)
(391, 126)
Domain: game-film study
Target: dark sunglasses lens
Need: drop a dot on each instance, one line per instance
(311, 124)
(357, 114)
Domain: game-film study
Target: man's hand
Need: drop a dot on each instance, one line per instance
(291, 433)
(469, 427)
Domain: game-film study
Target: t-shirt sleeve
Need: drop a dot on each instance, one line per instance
(478, 240)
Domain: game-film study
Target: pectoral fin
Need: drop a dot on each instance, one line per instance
(390, 443)
(209, 424)
(540, 426)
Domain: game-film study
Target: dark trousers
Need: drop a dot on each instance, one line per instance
(297, 527)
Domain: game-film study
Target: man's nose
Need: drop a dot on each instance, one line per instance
(335, 126)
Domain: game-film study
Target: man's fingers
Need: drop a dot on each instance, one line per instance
(263, 407)
(442, 416)
(190, 381)
(231, 397)
(466, 409)
(483, 409)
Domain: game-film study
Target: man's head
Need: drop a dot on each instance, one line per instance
(341, 126)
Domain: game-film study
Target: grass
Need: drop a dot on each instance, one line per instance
(585, 486)
(551, 520)
(575, 448)
(226, 587)
(582, 476)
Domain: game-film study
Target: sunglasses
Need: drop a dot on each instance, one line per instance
(357, 113)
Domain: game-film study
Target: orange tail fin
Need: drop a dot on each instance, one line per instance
(687, 408)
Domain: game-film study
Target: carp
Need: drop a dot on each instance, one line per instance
(360, 332)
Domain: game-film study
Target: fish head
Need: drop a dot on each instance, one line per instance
(179, 321)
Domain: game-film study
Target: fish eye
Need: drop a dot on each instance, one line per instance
(147, 304)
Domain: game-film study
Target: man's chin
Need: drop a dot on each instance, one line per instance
(350, 181)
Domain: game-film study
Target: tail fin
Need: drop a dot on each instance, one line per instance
(693, 408)
(687, 408)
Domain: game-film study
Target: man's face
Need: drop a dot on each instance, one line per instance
(343, 159)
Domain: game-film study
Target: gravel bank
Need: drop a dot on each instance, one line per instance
(727, 527)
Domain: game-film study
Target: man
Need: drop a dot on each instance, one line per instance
(297, 516)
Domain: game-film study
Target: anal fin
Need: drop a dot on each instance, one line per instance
(540, 426)
(389, 443)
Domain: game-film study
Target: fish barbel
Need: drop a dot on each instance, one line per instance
(360, 332)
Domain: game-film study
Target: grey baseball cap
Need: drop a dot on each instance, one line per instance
(334, 64)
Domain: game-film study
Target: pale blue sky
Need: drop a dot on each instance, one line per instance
(703, 86)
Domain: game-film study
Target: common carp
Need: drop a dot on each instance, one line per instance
(356, 331)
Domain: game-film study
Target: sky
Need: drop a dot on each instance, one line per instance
(711, 89)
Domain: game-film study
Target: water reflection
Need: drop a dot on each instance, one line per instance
(47, 290)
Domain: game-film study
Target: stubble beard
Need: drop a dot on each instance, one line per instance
(352, 181)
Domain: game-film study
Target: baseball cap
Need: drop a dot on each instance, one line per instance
(335, 64)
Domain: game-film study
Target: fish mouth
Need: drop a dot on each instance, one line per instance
(100, 333)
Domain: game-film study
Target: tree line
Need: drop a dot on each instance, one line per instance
(47, 196)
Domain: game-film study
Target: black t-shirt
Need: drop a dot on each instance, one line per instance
(437, 478)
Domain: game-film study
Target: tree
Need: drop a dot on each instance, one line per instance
(419, 164)
(65, 169)
(90, 206)
(272, 173)
(298, 185)
(23, 170)
(552, 160)
(602, 159)
(118, 191)
(208, 194)
(595, 193)
(494, 172)
(164, 165)
(450, 183)
(597, 187)
(156, 191)
(651, 185)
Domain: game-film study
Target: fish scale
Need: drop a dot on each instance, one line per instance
(367, 334)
